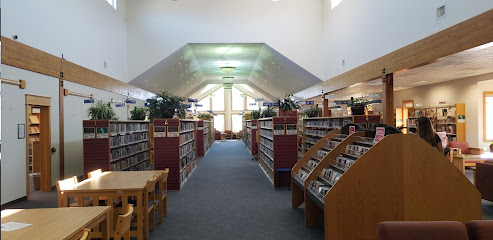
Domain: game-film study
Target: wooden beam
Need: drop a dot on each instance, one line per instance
(21, 83)
(388, 98)
(61, 127)
(325, 105)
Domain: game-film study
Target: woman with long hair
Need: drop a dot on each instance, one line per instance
(426, 132)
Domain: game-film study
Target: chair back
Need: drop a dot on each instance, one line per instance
(123, 223)
(95, 173)
(86, 234)
(64, 184)
(151, 185)
(163, 177)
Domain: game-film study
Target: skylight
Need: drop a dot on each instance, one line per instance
(334, 3)
(112, 3)
(245, 86)
(207, 88)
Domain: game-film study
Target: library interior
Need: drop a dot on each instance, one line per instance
(260, 119)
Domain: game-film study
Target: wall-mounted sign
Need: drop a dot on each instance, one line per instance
(270, 104)
(120, 105)
(159, 131)
(130, 101)
(330, 96)
(461, 118)
(342, 102)
(88, 100)
(306, 102)
(279, 129)
(102, 132)
(291, 129)
(374, 95)
(252, 104)
(89, 133)
(209, 111)
(375, 101)
(188, 105)
(259, 99)
(173, 131)
(199, 105)
(418, 104)
(192, 100)
(21, 131)
(442, 102)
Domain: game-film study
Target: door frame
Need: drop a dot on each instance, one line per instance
(44, 103)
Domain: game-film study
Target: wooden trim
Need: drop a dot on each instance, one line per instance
(484, 116)
(22, 56)
(388, 99)
(66, 92)
(61, 127)
(38, 101)
(470, 33)
(21, 83)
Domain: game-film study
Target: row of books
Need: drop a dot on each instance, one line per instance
(320, 154)
(121, 140)
(266, 133)
(267, 160)
(319, 189)
(116, 154)
(356, 150)
(122, 128)
(186, 126)
(267, 151)
(316, 132)
(330, 176)
(187, 159)
(33, 130)
(266, 124)
(311, 140)
(185, 137)
(330, 144)
(266, 142)
(185, 149)
(342, 163)
(125, 163)
(328, 123)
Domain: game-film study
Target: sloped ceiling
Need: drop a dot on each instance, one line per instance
(191, 70)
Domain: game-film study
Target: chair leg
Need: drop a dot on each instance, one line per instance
(165, 206)
(146, 224)
(160, 211)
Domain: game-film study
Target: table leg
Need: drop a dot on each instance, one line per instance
(105, 227)
(461, 166)
(140, 216)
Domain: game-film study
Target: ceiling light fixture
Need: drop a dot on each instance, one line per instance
(228, 78)
(228, 69)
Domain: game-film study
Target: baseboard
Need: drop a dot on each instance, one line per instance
(6, 205)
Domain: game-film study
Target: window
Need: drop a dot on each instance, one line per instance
(251, 104)
(236, 122)
(218, 100)
(488, 116)
(334, 3)
(238, 100)
(112, 3)
(219, 122)
(206, 105)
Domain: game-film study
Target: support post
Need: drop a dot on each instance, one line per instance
(388, 97)
(61, 129)
(325, 103)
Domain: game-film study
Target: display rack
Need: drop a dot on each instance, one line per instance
(112, 145)
(277, 146)
(360, 183)
(316, 128)
(251, 135)
(34, 143)
(203, 137)
(444, 118)
(175, 146)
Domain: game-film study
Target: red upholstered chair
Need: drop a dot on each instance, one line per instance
(484, 180)
(217, 135)
(229, 134)
(463, 148)
(480, 229)
(422, 230)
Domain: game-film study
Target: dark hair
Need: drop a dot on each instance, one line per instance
(426, 131)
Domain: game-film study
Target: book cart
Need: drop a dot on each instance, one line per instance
(175, 147)
(360, 183)
(251, 135)
(316, 128)
(203, 137)
(113, 145)
(277, 146)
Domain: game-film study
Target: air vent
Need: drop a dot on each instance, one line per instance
(441, 12)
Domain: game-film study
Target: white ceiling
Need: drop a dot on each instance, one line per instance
(191, 68)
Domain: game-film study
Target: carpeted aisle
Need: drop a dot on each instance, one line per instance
(229, 197)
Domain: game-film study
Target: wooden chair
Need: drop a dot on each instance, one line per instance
(95, 173)
(68, 183)
(161, 194)
(123, 224)
(150, 199)
(86, 234)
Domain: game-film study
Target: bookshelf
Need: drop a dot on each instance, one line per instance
(360, 183)
(277, 145)
(112, 145)
(251, 135)
(203, 137)
(244, 119)
(34, 143)
(301, 116)
(175, 147)
(316, 128)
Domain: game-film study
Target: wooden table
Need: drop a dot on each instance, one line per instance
(459, 160)
(121, 184)
(56, 223)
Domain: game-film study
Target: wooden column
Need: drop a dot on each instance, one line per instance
(388, 98)
(61, 129)
(325, 110)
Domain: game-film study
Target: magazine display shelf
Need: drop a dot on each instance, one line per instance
(400, 178)
(175, 147)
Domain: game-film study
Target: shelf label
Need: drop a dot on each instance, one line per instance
(102, 132)
(380, 133)
(173, 131)
(89, 133)
(159, 131)
(200, 128)
(279, 129)
(291, 129)
(352, 129)
(461, 118)
(254, 126)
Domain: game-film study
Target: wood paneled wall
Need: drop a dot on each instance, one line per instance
(25, 57)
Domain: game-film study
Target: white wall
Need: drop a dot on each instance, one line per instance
(359, 31)
(86, 32)
(156, 29)
(13, 173)
(465, 90)
(75, 111)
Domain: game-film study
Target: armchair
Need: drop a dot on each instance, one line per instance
(484, 179)
(457, 148)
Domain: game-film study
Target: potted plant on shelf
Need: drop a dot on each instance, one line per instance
(358, 106)
(101, 111)
(139, 113)
(255, 114)
(203, 116)
(312, 112)
(166, 105)
(287, 106)
(268, 112)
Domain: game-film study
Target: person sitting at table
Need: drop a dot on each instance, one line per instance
(427, 133)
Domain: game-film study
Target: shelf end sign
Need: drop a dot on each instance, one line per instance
(380, 133)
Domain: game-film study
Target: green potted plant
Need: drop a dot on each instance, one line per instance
(491, 147)
(203, 116)
(268, 112)
(165, 105)
(139, 113)
(255, 114)
(101, 111)
(358, 106)
(287, 106)
(312, 112)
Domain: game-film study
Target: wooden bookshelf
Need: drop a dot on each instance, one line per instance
(112, 145)
(277, 145)
(175, 147)
(316, 128)
(360, 183)
(251, 135)
(34, 143)
(203, 137)
(244, 119)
